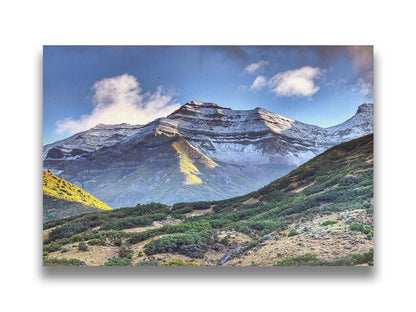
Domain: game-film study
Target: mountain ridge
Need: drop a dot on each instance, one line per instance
(125, 129)
(250, 147)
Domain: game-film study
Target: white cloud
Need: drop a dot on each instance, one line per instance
(364, 86)
(120, 99)
(298, 82)
(258, 83)
(362, 60)
(255, 66)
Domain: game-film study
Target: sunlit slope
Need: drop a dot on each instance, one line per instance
(188, 155)
(62, 199)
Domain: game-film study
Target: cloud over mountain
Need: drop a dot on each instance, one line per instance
(120, 99)
(298, 82)
(255, 66)
(258, 83)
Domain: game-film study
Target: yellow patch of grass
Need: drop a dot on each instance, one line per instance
(188, 155)
(59, 188)
(192, 179)
(186, 164)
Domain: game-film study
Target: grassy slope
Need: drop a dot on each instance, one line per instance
(62, 199)
(336, 184)
(188, 155)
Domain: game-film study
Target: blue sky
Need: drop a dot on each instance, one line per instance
(87, 85)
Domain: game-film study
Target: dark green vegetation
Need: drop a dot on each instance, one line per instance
(339, 179)
(62, 262)
(113, 218)
(178, 262)
(148, 263)
(118, 262)
(123, 259)
(292, 233)
(82, 247)
(360, 228)
(313, 260)
(191, 244)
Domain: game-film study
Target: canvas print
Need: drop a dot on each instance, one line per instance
(208, 156)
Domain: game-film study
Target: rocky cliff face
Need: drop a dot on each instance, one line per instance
(202, 151)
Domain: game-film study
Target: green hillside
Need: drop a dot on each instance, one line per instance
(62, 199)
(319, 214)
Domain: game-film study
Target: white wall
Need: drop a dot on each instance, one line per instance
(27, 25)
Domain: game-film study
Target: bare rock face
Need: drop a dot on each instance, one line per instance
(202, 151)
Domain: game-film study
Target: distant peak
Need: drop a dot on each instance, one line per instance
(106, 127)
(99, 126)
(261, 110)
(202, 104)
(365, 108)
(264, 112)
(195, 102)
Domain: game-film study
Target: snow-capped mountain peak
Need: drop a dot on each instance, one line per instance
(127, 164)
(366, 108)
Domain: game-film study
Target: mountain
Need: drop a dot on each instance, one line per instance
(88, 141)
(202, 151)
(319, 214)
(62, 199)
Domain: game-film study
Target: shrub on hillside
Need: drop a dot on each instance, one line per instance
(82, 246)
(62, 262)
(292, 233)
(124, 251)
(67, 230)
(118, 262)
(178, 262)
(225, 241)
(303, 260)
(360, 228)
(132, 221)
(93, 242)
(192, 244)
(147, 263)
(354, 259)
(313, 260)
(97, 241)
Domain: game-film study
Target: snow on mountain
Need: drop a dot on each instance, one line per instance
(359, 125)
(257, 136)
(89, 141)
(124, 164)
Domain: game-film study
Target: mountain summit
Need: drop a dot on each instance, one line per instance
(202, 151)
